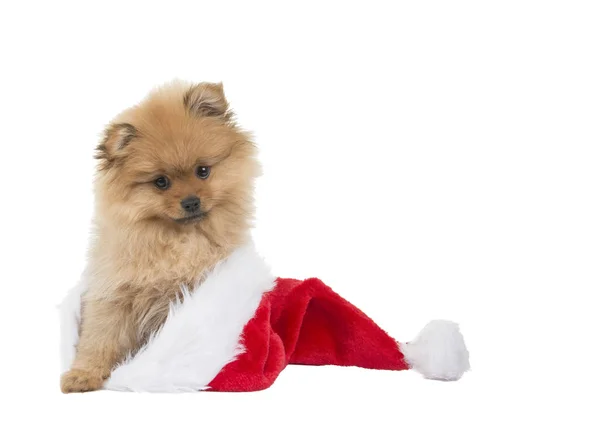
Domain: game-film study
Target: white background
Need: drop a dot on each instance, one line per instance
(426, 159)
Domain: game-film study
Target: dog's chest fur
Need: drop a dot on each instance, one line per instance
(143, 273)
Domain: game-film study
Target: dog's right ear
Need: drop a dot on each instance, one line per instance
(116, 138)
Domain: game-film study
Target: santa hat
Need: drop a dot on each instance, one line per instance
(241, 327)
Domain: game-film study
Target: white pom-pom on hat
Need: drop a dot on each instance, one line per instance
(438, 352)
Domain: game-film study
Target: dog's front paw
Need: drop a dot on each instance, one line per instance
(80, 381)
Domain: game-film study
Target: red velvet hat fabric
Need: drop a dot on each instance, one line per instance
(306, 323)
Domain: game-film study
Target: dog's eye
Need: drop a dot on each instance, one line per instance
(162, 182)
(202, 172)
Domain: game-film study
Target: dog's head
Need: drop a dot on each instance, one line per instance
(177, 159)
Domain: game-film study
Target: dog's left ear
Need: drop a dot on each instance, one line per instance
(207, 100)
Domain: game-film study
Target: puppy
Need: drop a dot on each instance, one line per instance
(174, 196)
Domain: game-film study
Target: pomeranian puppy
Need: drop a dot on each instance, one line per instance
(174, 196)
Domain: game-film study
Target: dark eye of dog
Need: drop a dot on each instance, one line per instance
(202, 172)
(162, 182)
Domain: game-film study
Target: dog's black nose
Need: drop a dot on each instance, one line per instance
(191, 204)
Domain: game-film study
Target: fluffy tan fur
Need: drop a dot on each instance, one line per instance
(141, 253)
